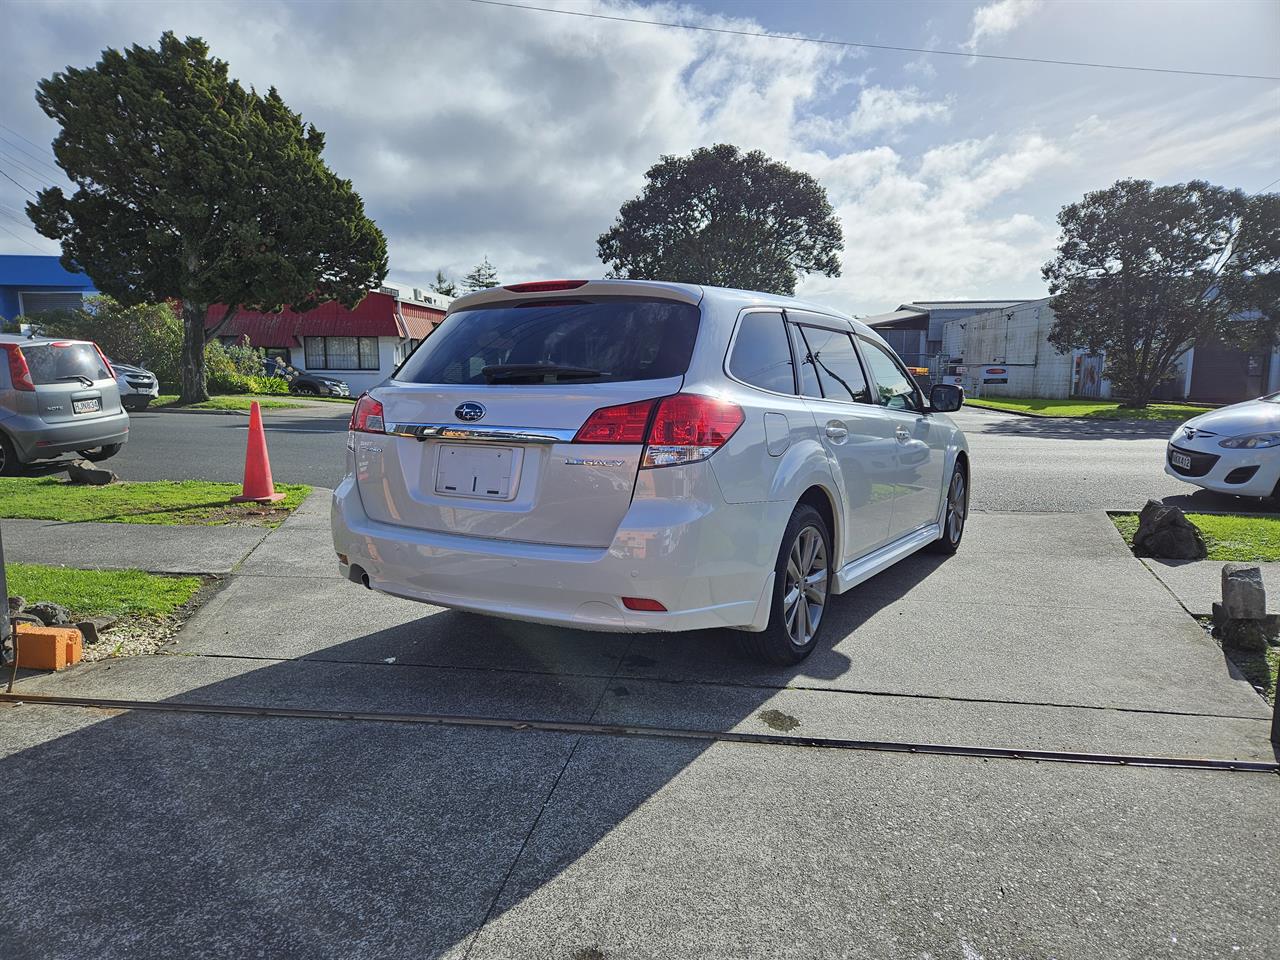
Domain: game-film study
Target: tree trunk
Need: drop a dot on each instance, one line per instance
(194, 388)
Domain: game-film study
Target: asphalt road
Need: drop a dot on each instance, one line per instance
(1021, 464)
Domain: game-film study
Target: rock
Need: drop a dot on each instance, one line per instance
(1243, 595)
(82, 471)
(16, 604)
(1165, 533)
(50, 614)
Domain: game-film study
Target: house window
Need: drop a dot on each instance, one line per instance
(272, 353)
(341, 353)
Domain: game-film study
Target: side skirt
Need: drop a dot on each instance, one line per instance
(864, 568)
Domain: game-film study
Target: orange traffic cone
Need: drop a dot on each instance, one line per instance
(258, 486)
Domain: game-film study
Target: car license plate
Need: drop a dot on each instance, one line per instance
(1180, 459)
(86, 406)
(476, 470)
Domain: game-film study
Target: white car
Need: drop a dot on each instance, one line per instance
(138, 386)
(1233, 449)
(640, 456)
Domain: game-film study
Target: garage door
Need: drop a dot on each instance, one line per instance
(33, 302)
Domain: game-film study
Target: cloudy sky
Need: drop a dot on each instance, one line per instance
(475, 130)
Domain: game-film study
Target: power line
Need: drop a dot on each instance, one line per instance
(871, 46)
(21, 239)
(1271, 184)
(15, 183)
(8, 142)
(29, 171)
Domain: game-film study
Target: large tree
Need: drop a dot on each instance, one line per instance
(443, 285)
(1144, 272)
(192, 188)
(727, 219)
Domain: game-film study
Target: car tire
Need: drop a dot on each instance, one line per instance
(305, 391)
(792, 633)
(135, 404)
(957, 512)
(98, 454)
(10, 465)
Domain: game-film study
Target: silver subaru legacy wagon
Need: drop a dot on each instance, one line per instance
(636, 456)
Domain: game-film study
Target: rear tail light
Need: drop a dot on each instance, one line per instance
(105, 362)
(683, 428)
(545, 286)
(622, 424)
(19, 372)
(367, 416)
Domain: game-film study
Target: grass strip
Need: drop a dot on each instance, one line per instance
(91, 593)
(1088, 409)
(165, 502)
(1227, 536)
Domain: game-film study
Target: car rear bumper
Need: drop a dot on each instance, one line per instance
(708, 563)
(35, 439)
(1243, 473)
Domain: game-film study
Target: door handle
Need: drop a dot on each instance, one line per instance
(903, 434)
(837, 432)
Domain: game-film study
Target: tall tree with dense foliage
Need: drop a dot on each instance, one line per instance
(192, 188)
(727, 219)
(483, 276)
(1144, 272)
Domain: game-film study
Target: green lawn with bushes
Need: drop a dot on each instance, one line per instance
(1090, 409)
(237, 402)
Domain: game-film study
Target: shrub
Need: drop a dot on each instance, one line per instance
(148, 335)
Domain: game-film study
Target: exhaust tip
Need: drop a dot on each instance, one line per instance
(356, 574)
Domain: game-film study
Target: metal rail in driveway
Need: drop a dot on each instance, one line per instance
(658, 733)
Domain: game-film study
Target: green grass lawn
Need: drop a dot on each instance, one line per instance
(236, 402)
(1093, 409)
(1229, 537)
(160, 502)
(92, 593)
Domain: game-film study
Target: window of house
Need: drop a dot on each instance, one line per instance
(341, 353)
(271, 353)
(760, 354)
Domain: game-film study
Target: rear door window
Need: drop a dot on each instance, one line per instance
(835, 363)
(761, 356)
(574, 341)
(63, 361)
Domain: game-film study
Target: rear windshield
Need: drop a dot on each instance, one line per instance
(558, 342)
(63, 362)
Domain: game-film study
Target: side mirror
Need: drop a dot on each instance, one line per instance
(946, 397)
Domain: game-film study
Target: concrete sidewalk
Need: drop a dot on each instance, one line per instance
(130, 546)
(1198, 583)
(361, 838)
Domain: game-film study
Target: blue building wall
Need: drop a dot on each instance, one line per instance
(20, 273)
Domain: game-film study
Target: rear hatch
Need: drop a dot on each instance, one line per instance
(481, 418)
(72, 381)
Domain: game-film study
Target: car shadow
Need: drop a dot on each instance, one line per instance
(1078, 428)
(185, 834)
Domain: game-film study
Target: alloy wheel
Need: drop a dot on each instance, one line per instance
(957, 506)
(805, 595)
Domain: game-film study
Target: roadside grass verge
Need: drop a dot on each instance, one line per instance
(234, 402)
(1227, 536)
(165, 502)
(1089, 409)
(92, 593)
(1260, 669)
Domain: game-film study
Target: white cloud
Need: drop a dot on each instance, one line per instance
(997, 19)
(878, 110)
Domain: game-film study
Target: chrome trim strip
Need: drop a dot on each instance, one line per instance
(481, 434)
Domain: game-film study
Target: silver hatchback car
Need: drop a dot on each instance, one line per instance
(636, 456)
(57, 396)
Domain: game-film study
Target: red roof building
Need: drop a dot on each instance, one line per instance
(362, 346)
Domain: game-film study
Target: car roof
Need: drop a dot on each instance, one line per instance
(38, 339)
(687, 292)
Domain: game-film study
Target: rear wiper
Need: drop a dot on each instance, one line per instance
(536, 371)
(76, 376)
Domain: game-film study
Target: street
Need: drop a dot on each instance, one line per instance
(1021, 464)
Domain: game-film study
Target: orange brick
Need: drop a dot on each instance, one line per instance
(48, 648)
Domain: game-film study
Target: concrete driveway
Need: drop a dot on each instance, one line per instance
(297, 819)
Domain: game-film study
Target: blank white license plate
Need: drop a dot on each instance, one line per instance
(1180, 459)
(86, 406)
(476, 470)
